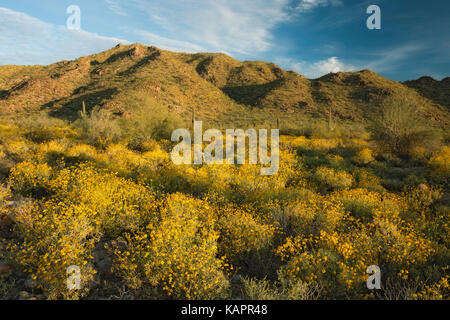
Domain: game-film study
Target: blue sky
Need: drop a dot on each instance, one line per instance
(312, 37)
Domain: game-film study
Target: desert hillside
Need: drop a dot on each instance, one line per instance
(214, 86)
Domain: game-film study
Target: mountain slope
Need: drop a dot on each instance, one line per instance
(216, 86)
(437, 91)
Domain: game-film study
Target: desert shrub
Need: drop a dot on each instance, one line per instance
(399, 126)
(367, 179)
(148, 118)
(241, 233)
(116, 204)
(440, 163)
(41, 127)
(402, 244)
(45, 134)
(364, 157)
(5, 194)
(18, 149)
(31, 179)
(420, 154)
(399, 287)
(421, 199)
(83, 205)
(362, 203)
(254, 289)
(336, 259)
(143, 144)
(55, 236)
(439, 290)
(98, 127)
(177, 254)
(336, 161)
(283, 289)
(309, 216)
(80, 153)
(51, 152)
(318, 144)
(330, 179)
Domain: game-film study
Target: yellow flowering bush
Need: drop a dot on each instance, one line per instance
(56, 236)
(364, 157)
(52, 151)
(328, 178)
(30, 178)
(80, 153)
(440, 162)
(241, 233)
(18, 148)
(177, 252)
(116, 204)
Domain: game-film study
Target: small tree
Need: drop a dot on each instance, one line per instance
(399, 126)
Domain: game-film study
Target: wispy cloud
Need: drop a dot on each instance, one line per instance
(389, 59)
(153, 39)
(316, 69)
(114, 6)
(221, 25)
(27, 40)
(308, 5)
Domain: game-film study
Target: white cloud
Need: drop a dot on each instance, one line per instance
(308, 5)
(114, 6)
(27, 40)
(388, 59)
(380, 62)
(150, 38)
(220, 25)
(313, 70)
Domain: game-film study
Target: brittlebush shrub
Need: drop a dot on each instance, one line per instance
(80, 153)
(330, 179)
(31, 179)
(241, 233)
(176, 253)
(60, 231)
(440, 163)
(367, 179)
(5, 195)
(116, 204)
(364, 157)
(18, 149)
(338, 259)
(361, 203)
(51, 152)
(310, 216)
(421, 200)
(55, 236)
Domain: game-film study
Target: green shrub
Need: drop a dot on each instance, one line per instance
(99, 127)
(399, 126)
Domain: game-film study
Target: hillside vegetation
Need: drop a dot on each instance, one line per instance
(214, 86)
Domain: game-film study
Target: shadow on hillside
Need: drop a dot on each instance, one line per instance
(434, 91)
(4, 94)
(140, 63)
(69, 108)
(250, 94)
